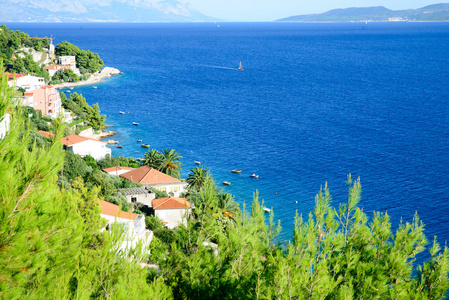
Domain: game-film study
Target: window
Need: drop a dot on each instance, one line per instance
(133, 199)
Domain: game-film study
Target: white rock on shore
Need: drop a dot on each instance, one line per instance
(106, 72)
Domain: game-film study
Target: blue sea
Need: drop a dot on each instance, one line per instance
(314, 103)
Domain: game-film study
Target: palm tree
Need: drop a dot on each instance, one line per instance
(153, 159)
(171, 162)
(227, 203)
(197, 177)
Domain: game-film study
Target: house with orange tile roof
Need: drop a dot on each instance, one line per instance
(172, 211)
(85, 146)
(25, 81)
(117, 170)
(153, 178)
(55, 68)
(133, 225)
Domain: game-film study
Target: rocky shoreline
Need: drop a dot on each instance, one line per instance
(97, 77)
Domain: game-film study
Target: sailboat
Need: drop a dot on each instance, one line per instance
(240, 67)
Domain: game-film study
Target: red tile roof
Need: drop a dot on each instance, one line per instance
(12, 75)
(117, 168)
(75, 139)
(56, 67)
(147, 175)
(113, 210)
(171, 203)
(47, 134)
(46, 87)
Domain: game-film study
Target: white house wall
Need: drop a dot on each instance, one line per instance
(173, 217)
(95, 149)
(176, 188)
(5, 124)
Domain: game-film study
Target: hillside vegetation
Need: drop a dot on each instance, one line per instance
(436, 12)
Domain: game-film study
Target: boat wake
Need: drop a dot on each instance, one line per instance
(218, 67)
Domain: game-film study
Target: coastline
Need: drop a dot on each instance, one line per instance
(94, 78)
(97, 77)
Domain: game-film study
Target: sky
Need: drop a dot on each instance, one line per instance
(270, 10)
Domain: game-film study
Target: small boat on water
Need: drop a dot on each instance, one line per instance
(226, 183)
(121, 112)
(145, 145)
(236, 171)
(197, 162)
(94, 87)
(266, 209)
(254, 176)
(139, 141)
(119, 146)
(240, 67)
(112, 142)
(134, 123)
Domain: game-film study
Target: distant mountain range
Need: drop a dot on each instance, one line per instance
(436, 12)
(99, 11)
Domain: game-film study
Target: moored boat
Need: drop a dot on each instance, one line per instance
(121, 112)
(94, 87)
(197, 162)
(236, 171)
(266, 209)
(135, 123)
(112, 142)
(145, 145)
(254, 176)
(119, 146)
(139, 141)
(226, 183)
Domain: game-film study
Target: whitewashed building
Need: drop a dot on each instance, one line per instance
(117, 170)
(172, 211)
(27, 82)
(133, 225)
(69, 61)
(86, 146)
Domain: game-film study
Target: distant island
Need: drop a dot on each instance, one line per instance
(99, 11)
(431, 13)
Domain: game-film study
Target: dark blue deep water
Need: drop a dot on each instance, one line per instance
(314, 103)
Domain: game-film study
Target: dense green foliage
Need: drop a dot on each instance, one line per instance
(51, 246)
(86, 61)
(50, 243)
(78, 105)
(10, 43)
(68, 75)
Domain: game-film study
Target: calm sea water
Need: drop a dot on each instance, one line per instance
(314, 103)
